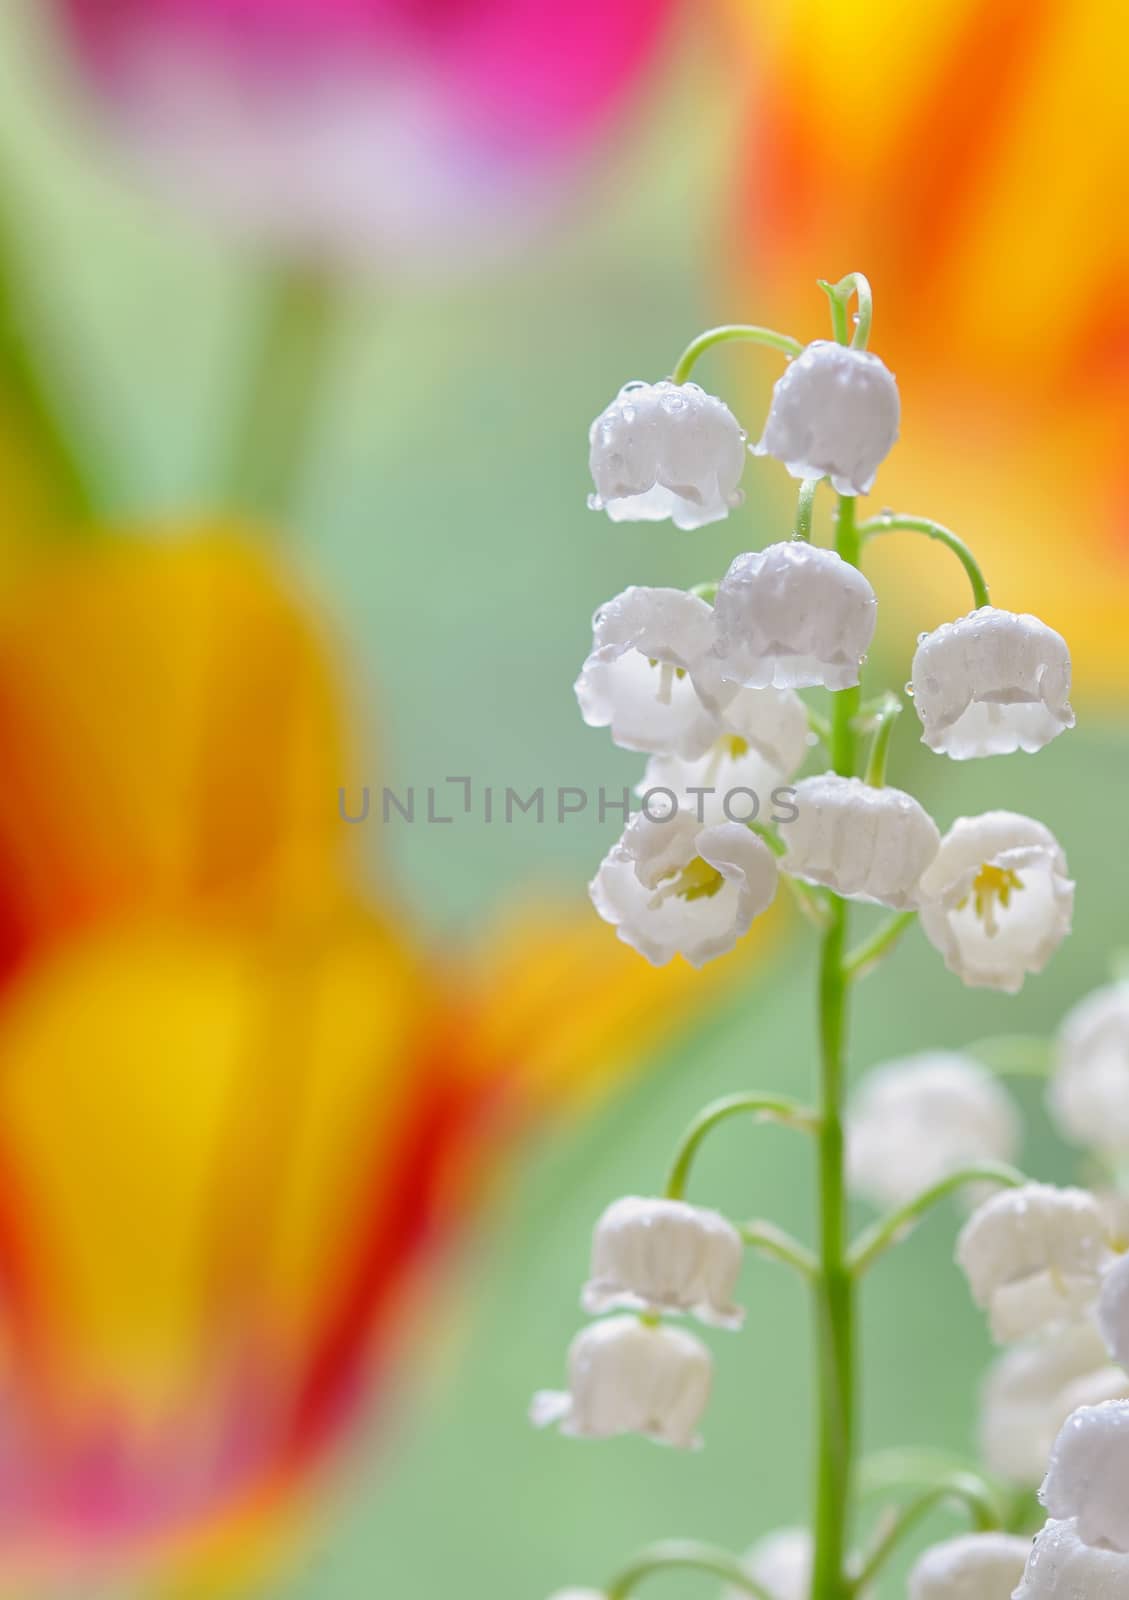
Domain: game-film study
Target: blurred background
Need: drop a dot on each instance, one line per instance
(306, 308)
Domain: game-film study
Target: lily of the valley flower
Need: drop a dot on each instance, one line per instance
(996, 901)
(781, 1562)
(665, 1256)
(1089, 1093)
(1113, 1311)
(834, 414)
(762, 739)
(991, 683)
(1034, 1257)
(913, 1122)
(863, 842)
(673, 887)
(649, 649)
(666, 450)
(1087, 1474)
(1063, 1566)
(627, 1377)
(793, 616)
(1030, 1391)
(973, 1566)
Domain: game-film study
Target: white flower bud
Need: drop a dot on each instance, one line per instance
(1033, 1258)
(1062, 1567)
(834, 414)
(665, 1256)
(973, 1566)
(863, 842)
(1088, 1474)
(673, 887)
(666, 450)
(914, 1122)
(649, 649)
(781, 1562)
(1029, 1393)
(991, 683)
(1089, 1094)
(1113, 1310)
(626, 1377)
(793, 616)
(996, 901)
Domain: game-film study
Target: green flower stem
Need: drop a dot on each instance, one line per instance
(967, 1488)
(805, 509)
(679, 1555)
(910, 1468)
(890, 523)
(762, 1107)
(778, 1243)
(883, 722)
(725, 335)
(840, 295)
(893, 1228)
(866, 956)
(810, 901)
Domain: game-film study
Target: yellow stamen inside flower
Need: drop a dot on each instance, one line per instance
(735, 747)
(667, 674)
(992, 886)
(696, 881)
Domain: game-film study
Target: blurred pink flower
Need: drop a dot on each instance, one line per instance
(366, 129)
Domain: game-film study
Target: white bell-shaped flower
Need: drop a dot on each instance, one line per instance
(1028, 1394)
(649, 665)
(914, 1122)
(664, 450)
(1089, 1093)
(835, 414)
(1088, 1473)
(665, 1256)
(973, 1566)
(990, 683)
(1034, 1257)
(781, 1562)
(675, 887)
(793, 616)
(1113, 1311)
(1061, 1566)
(863, 842)
(627, 1377)
(996, 901)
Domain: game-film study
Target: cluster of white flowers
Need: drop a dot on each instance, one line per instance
(708, 691)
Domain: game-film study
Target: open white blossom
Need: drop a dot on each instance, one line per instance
(915, 1121)
(863, 842)
(763, 737)
(1030, 1391)
(665, 1256)
(990, 683)
(973, 1566)
(1062, 1566)
(793, 616)
(648, 669)
(996, 901)
(627, 1377)
(1034, 1257)
(1113, 1311)
(1088, 1472)
(835, 414)
(664, 450)
(1089, 1093)
(781, 1562)
(675, 887)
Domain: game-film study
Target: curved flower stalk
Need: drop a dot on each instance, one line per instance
(993, 895)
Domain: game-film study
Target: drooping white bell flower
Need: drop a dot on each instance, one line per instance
(973, 1566)
(1034, 1257)
(1028, 1394)
(915, 1121)
(793, 616)
(1113, 1311)
(863, 842)
(627, 1377)
(1088, 1473)
(835, 414)
(1062, 1567)
(996, 901)
(665, 1256)
(781, 1562)
(648, 669)
(675, 887)
(990, 683)
(1089, 1093)
(664, 450)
